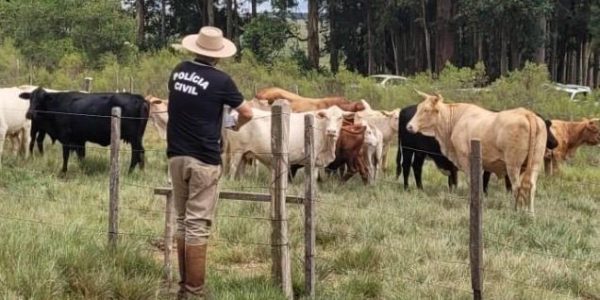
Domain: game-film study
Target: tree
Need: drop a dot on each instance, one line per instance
(313, 33)
(140, 18)
(265, 37)
(444, 46)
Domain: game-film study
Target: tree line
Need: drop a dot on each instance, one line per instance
(366, 36)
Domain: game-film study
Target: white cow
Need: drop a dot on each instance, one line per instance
(385, 121)
(253, 140)
(372, 150)
(13, 123)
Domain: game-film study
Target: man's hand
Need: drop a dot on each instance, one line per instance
(245, 115)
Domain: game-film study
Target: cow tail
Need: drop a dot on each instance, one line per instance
(525, 187)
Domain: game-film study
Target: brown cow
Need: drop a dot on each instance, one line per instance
(349, 152)
(158, 114)
(304, 104)
(570, 136)
(513, 141)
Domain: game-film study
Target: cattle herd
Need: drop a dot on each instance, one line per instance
(350, 137)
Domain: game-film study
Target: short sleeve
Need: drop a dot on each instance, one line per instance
(231, 95)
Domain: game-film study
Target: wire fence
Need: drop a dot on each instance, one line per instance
(491, 237)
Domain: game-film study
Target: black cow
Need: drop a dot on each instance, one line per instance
(551, 143)
(420, 147)
(73, 118)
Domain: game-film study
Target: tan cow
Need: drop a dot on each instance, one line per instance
(304, 104)
(570, 136)
(386, 122)
(158, 114)
(512, 141)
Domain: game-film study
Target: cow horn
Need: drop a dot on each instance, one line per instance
(424, 95)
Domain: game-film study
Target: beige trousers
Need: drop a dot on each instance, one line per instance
(195, 191)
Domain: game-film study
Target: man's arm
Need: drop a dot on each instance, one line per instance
(245, 115)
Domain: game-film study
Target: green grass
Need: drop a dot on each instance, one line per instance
(373, 242)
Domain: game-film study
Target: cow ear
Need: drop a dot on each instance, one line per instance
(25, 95)
(439, 97)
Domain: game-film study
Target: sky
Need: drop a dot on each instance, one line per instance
(266, 6)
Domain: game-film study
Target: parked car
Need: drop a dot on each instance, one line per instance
(576, 92)
(388, 80)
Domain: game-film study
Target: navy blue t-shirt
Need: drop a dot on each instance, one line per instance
(197, 93)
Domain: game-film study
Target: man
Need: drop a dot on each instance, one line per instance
(197, 94)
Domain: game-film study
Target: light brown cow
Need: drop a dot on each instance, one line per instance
(512, 141)
(386, 122)
(158, 114)
(570, 136)
(304, 104)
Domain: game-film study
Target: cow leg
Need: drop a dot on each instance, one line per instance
(507, 184)
(33, 137)
(137, 154)
(66, 152)
(80, 151)
(363, 171)
(235, 159)
(515, 176)
(406, 165)
(386, 149)
(453, 179)
(418, 169)
(351, 170)
(486, 181)
(2, 138)
(398, 163)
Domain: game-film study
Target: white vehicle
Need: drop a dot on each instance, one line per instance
(389, 80)
(576, 92)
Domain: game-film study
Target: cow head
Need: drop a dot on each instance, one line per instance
(37, 101)
(591, 131)
(427, 115)
(333, 117)
(394, 118)
(370, 135)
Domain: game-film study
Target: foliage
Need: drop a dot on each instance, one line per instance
(45, 31)
(266, 37)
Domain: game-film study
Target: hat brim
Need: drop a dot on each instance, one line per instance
(189, 43)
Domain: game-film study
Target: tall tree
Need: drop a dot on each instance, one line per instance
(444, 46)
(229, 31)
(426, 34)
(210, 12)
(140, 9)
(253, 8)
(333, 36)
(313, 33)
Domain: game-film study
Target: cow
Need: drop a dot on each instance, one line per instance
(551, 143)
(373, 150)
(386, 122)
(158, 114)
(304, 104)
(13, 123)
(415, 147)
(254, 139)
(571, 136)
(349, 152)
(74, 118)
(513, 141)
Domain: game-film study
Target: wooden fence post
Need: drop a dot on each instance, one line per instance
(476, 215)
(281, 268)
(88, 84)
(169, 231)
(310, 185)
(115, 143)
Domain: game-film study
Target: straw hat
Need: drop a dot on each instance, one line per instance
(209, 42)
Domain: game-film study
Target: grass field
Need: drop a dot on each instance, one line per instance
(375, 242)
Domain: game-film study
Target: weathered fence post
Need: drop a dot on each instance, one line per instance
(88, 84)
(281, 268)
(169, 231)
(115, 143)
(476, 215)
(310, 185)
